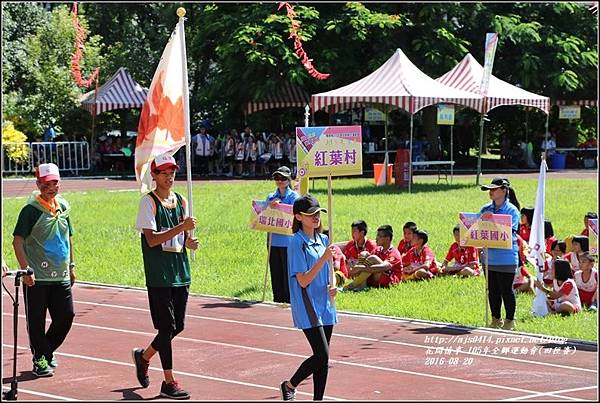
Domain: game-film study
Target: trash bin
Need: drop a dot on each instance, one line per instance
(558, 161)
(378, 174)
(401, 168)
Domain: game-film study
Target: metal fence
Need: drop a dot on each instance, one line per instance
(24, 157)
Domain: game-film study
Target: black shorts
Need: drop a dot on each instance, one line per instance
(167, 306)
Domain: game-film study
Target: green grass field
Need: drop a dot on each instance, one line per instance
(231, 259)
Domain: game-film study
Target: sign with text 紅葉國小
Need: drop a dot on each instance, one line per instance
(494, 232)
(277, 220)
(569, 112)
(445, 114)
(329, 150)
(593, 235)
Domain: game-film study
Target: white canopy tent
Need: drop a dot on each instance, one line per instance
(467, 76)
(399, 83)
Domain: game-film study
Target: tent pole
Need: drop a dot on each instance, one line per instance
(410, 148)
(546, 136)
(94, 109)
(385, 158)
(481, 123)
(526, 125)
(451, 153)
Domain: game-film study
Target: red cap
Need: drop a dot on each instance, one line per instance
(163, 162)
(47, 172)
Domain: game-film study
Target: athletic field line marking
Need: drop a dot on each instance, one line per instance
(42, 394)
(207, 377)
(555, 393)
(256, 349)
(400, 343)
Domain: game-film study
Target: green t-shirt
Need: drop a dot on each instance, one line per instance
(46, 236)
(167, 265)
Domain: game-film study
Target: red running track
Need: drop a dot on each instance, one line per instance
(232, 350)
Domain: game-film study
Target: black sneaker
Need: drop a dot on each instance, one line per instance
(173, 391)
(287, 393)
(41, 367)
(141, 367)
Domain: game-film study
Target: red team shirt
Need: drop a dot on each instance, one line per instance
(425, 257)
(392, 276)
(464, 255)
(404, 246)
(525, 232)
(351, 250)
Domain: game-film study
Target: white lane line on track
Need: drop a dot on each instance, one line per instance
(554, 393)
(548, 364)
(190, 374)
(41, 394)
(374, 367)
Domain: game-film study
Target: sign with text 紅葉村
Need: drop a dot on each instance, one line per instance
(277, 220)
(593, 235)
(329, 150)
(494, 232)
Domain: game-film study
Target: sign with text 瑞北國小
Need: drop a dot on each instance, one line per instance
(277, 220)
(569, 112)
(329, 150)
(593, 235)
(493, 232)
(445, 114)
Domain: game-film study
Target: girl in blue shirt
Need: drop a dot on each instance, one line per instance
(502, 263)
(313, 310)
(279, 243)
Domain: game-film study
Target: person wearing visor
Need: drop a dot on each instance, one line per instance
(279, 242)
(164, 223)
(313, 310)
(502, 263)
(43, 242)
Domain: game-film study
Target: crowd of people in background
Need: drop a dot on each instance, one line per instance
(240, 154)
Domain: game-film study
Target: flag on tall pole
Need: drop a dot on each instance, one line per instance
(164, 121)
(537, 242)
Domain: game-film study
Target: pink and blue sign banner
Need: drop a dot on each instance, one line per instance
(329, 150)
(593, 235)
(493, 232)
(277, 220)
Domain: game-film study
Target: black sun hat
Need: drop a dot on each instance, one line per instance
(283, 171)
(307, 205)
(497, 182)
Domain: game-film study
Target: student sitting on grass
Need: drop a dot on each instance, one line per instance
(548, 235)
(564, 297)
(523, 281)
(340, 269)
(358, 243)
(557, 250)
(525, 223)
(466, 258)
(419, 262)
(588, 215)
(587, 281)
(380, 269)
(579, 244)
(408, 231)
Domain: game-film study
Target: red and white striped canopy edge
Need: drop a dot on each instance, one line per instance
(580, 102)
(397, 82)
(467, 76)
(120, 92)
(286, 96)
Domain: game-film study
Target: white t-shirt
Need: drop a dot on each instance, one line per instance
(146, 218)
(591, 285)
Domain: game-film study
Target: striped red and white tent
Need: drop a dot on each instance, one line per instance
(397, 82)
(467, 76)
(120, 92)
(286, 95)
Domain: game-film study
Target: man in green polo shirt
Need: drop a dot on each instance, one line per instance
(42, 241)
(163, 222)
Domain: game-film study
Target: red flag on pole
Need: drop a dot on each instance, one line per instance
(163, 122)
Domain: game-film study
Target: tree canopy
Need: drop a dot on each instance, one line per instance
(239, 52)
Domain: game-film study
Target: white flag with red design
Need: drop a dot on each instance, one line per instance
(161, 128)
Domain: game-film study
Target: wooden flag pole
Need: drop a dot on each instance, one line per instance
(267, 268)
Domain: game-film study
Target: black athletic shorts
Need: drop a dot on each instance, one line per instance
(167, 306)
